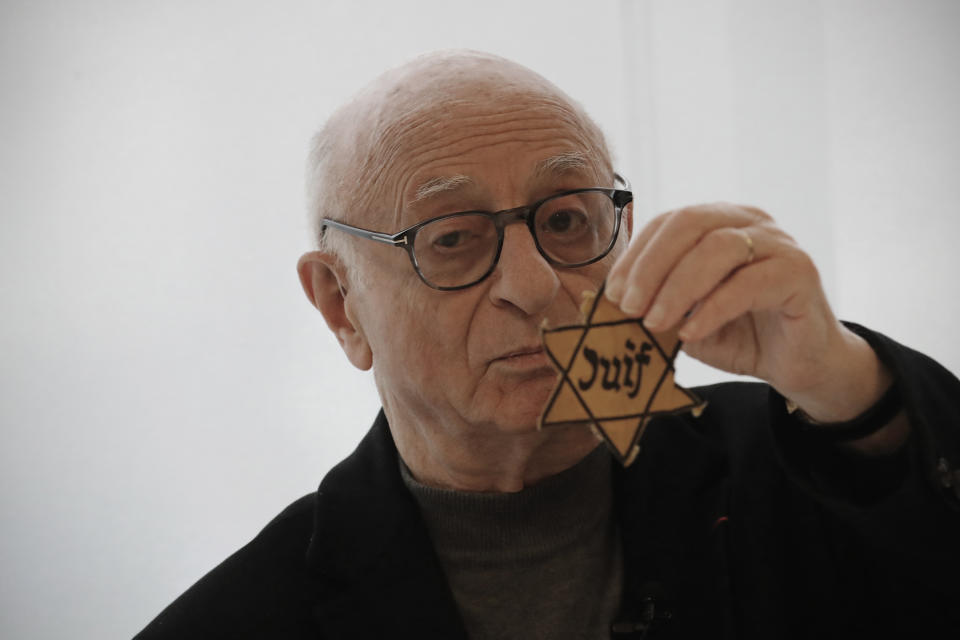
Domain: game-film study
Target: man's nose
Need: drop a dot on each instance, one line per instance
(523, 278)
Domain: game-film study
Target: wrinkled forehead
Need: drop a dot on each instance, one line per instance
(424, 117)
(489, 134)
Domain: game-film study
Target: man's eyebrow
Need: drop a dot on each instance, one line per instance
(568, 162)
(552, 167)
(436, 186)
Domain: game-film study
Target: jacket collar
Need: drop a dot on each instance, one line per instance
(371, 551)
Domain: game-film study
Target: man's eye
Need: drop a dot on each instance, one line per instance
(451, 239)
(565, 221)
(455, 236)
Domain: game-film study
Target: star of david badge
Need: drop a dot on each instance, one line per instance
(615, 376)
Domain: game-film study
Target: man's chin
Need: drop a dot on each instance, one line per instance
(512, 406)
(522, 416)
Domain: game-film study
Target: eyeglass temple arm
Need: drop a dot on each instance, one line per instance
(619, 178)
(363, 233)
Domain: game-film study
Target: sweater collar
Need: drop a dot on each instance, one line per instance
(545, 518)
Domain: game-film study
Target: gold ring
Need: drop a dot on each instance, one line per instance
(751, 253)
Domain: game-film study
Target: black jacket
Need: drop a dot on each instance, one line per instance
(733, 526)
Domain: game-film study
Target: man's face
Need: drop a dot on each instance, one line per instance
(472, 359)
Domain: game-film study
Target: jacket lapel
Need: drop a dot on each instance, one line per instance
(375, 568)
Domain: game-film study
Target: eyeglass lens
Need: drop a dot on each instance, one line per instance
(571, 229)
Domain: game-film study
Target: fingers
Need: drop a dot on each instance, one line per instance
(718, 254)
(761, 286)
(745, 297)
(638, 276)
(617, 278)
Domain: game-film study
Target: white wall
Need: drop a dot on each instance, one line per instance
(164, 387)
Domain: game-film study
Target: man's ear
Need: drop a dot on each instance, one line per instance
(628, 214)
(322, 278)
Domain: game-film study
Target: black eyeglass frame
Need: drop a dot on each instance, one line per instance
(404, 239)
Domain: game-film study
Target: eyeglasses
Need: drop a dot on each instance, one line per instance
(458, 250)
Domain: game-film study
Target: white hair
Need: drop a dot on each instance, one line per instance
(327, 194)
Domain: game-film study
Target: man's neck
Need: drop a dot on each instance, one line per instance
(491, 462)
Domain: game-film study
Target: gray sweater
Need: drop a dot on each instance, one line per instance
(545, 562)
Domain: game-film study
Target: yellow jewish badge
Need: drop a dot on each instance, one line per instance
(614, 376)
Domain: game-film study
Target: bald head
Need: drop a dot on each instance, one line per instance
(360, 153)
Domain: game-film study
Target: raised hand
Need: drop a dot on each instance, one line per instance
(748, 300)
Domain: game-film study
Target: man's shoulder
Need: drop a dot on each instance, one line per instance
(256, 588)
(273, 585)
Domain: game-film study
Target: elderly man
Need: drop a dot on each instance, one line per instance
(462, 201)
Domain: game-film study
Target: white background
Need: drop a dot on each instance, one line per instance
(165, 388)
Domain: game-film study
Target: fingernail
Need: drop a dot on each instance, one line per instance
(655, 316)
(613, 289)
(687, 330)
(631, 301)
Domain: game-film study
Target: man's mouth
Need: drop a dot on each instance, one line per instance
(532, 356)
(522, 351)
